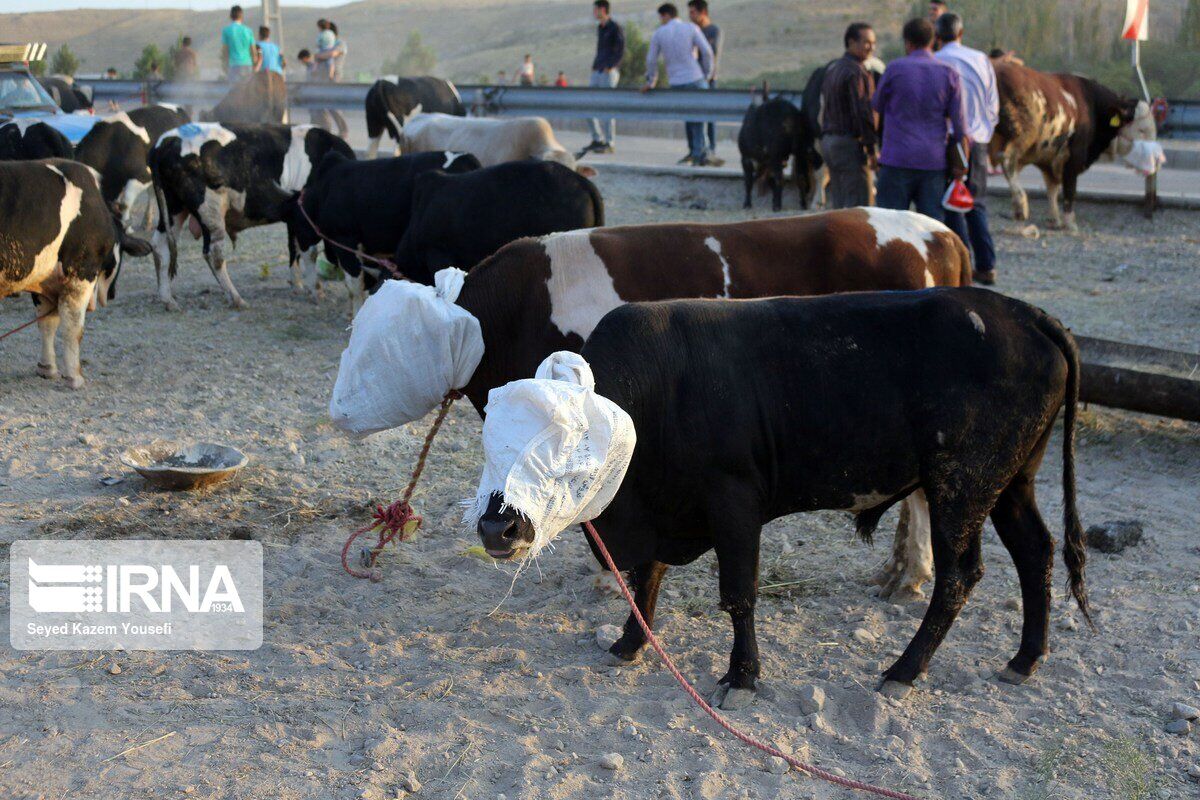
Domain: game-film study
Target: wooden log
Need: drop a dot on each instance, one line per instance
(1147, 392)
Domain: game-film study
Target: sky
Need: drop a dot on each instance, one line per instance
(18, 6)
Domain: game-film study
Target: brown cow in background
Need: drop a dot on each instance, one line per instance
(261, 98)
(1060, 123)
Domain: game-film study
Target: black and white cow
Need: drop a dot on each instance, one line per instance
(66, 94)
(62, 243)
(27, 140)
(459, 220)
(361, 205)
(222, 179)
(746, 411)
(389, 106)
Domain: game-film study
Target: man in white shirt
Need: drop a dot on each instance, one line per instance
(689, 62)
(981, 112)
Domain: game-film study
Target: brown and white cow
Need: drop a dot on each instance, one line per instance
(1060, 123)
(63, 244)
(534, 297)
(491, 140)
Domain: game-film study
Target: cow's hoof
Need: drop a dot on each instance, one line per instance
(73, 381)
(46, 371)
(904, 594)
(171, 305)
(1011, 676)
(895, 689)
(619, 659)
(728, 698)
(239, 304)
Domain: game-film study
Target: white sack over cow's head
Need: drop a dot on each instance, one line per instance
(1141, 128)
(409, 345)
(555, 453)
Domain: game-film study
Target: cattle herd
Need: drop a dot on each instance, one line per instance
(872, 395)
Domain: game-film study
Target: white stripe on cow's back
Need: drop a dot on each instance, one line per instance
(905, 226)
(68, 211)
(195, 135)
(580, 286)
(121, 118)
(296, 166)
(451, 157)
(712, 243)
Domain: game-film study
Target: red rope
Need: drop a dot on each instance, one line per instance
(391, 522)
(390, 266)
(720, 720)
(26, 325)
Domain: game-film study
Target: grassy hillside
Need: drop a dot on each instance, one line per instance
(473, 39)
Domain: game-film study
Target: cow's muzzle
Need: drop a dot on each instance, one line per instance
(504, 531)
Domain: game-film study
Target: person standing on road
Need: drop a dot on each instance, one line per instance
(981, 112)
(525, 73)
(698, 14)
(186, 68)
(330, 59)
(848, 138)
(269, 57)
(237, 47)
(678, 42)
(606, 71)
(915, 98)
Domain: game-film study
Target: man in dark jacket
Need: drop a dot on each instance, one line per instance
(606, 71)
(847, 122)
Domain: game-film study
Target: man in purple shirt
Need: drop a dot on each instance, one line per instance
(916, 97)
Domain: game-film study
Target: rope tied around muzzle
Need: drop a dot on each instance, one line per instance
(397, 522)
(390, 266)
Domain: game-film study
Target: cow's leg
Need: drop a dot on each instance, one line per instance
(1053, 192)
(777, 187)
(72, 307)
(212, 222)
(373, 147)
(646, 581)
(748, 178)
(166, 256)
(356, 288)
(311, 282)
(737, 547)
(1011, 166)
(47, 310)
(956, 528)
(912, 555)
(1031, 546)
(821, 178)
(1070, 179)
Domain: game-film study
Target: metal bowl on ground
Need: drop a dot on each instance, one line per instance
(172, 465)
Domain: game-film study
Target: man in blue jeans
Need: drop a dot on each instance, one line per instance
(678, 42)
(606, 71)
(981, 112)
(916, 97)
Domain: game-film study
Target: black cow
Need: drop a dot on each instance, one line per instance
(223, 179)
(390, 105)
(160, 118)
(363, 205)
(747, 411)
(21, 142)
(66, 94)
(62, 244)
(774, 131)
(459, 220)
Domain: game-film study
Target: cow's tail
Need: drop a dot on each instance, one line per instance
(164, 218)
(964, 261)
(1074, 538)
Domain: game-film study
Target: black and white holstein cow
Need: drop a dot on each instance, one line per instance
(491, 140)
(459, 220)
(222, 179)
(749, 411)
(389, 106)
(118, 147)
(62, 243)
(28, 139)
(364, 206)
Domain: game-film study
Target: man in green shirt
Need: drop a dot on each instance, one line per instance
(237, 47)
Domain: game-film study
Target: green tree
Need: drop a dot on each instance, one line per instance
(633, 63)
(65, 62)
(150, 57)
(37, 68)
(168, 66)
(416, 58)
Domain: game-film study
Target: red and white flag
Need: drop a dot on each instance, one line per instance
(1137, 20)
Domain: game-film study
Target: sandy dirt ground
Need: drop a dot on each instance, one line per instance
(480, 687)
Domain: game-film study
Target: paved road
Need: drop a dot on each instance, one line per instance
(648, 152)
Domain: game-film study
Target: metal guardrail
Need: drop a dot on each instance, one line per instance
(721, 105)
